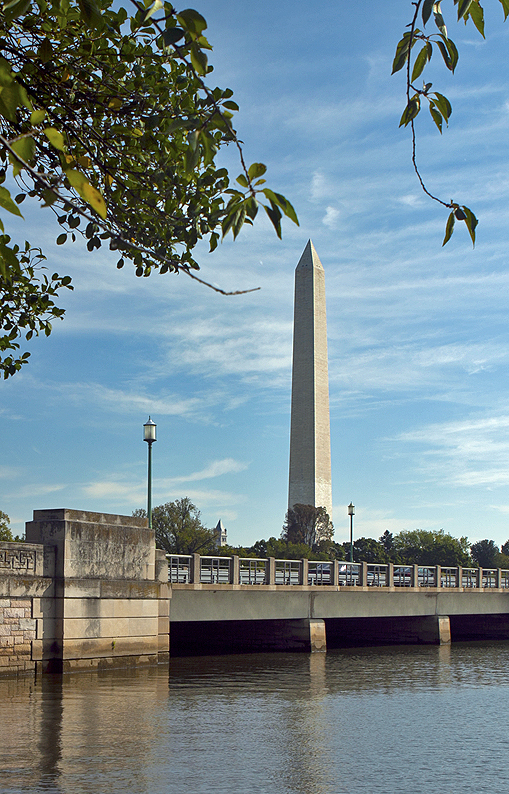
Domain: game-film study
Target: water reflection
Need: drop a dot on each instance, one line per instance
(373, 719)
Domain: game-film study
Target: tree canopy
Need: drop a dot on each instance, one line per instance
(428, 547)
(178, 528)
(309, 525)
(109, 121)
(5, 527)
(485, 553)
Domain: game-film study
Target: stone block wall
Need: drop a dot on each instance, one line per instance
(17, 631)
(88, 590)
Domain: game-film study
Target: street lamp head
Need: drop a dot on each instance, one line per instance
(351, 509)
(149, 431)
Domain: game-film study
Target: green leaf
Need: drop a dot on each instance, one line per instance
(192, 22)
(463, 8)
(427, 8)
(411, 110)
(453, 53)
(172, 35)
(471, 222)
(61, 239)
(198, 59)
(283, 203)
(439, 20)
(402, 53)
(90, 13)
(449, 228)
(87, 191)
(55, 138)
(420, 63)
(37, 116)
(255, 170)
(7, 203)
(505, 6)
(15, 9)
(241, 179)
(436, 116)
(25, 148)
(445, 54)
(275, 218)
(155, 7)
(476, 14)
(45, 51)
(443, 105)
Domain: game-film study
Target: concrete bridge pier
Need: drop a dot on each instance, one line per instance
(433, 630)
(308, 633)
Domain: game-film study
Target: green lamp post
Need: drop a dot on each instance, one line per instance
(351, 513)
(149, 435)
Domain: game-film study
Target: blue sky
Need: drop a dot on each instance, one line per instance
(418, 336)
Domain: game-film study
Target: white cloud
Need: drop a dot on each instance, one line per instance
(467, 453)
(214, 469)
(331, 216)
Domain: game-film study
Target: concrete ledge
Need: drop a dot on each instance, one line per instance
(112, 628)
(111, 647)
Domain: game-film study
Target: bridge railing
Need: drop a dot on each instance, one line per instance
(194, 569)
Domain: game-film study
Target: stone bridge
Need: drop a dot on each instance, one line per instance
(90, 590)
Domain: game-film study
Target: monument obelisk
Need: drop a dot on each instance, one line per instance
(310, 460)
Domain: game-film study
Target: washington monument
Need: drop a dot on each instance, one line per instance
(310, 461)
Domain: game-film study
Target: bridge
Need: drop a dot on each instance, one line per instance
(239, 604)
(90, 590)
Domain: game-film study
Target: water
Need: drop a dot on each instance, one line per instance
(405, 719)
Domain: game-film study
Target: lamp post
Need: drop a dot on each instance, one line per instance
(149, 435)
(351, 513)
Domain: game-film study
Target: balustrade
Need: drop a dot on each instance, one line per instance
(194, 569)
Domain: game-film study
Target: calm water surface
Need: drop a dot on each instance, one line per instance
(412, 719)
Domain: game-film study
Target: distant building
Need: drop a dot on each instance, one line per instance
(221, 534)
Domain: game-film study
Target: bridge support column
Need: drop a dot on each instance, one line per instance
(444, 630)
(433, 630)
(307, 635)
(311, 632)
(317, 635)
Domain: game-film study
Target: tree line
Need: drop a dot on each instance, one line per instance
(308, 533)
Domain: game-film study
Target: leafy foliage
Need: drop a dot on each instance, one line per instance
(5, 527)
(439, 106)
(427, 547)
(367, 550)
(108, 121)
(485, 553)
(309, 525)
(6, 532)
(27, 301)
(178, 528)
(286, 550)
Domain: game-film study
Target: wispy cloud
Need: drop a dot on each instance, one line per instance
(465, 453)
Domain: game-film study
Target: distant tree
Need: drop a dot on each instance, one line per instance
(505, 548)
(428, 547)
(367, 550)
(6, 532)
(387, 541)
(229, 551)
(286, 550)
(308, 524)
(337, 551)
(5, 528)
(485, 553)
(178, 528)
